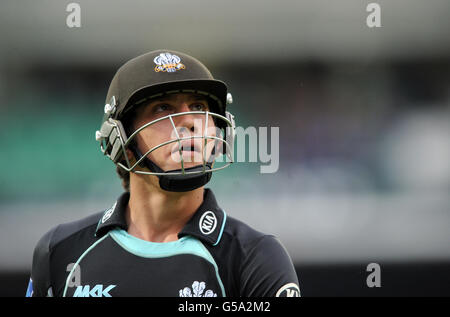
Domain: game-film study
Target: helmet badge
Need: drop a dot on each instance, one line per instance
(166, 62)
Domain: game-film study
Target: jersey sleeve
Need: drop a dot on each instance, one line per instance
(40, 285)
(267, 271)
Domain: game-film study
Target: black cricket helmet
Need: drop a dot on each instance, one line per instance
(153, 75)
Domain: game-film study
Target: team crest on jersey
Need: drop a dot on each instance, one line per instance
(166, 62)
(197, 291)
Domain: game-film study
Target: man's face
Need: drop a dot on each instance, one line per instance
(168, 156)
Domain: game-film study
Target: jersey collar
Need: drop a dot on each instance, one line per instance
(114, 217)
(207, 223)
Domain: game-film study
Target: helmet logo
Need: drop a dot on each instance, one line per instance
(166, 62)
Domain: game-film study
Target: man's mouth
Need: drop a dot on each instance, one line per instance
(186, 146)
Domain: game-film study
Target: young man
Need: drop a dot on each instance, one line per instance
(165, 126)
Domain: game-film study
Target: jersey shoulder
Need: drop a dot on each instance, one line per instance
(64, 231)
(250, 240)
(246, 236)
(60, 246)
(264, 266)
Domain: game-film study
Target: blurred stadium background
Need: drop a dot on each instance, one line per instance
(364, 117)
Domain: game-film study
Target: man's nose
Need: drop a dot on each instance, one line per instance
(184, 107)
(191, 122)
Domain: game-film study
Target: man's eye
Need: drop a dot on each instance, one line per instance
(198, 107)
(161, 108)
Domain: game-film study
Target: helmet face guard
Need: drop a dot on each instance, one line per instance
(114, 144)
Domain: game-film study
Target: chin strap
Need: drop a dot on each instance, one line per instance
(176, 183)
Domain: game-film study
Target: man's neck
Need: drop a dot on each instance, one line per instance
(157, 215)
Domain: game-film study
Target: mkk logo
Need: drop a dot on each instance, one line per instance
(208, 222)
(96, 291)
